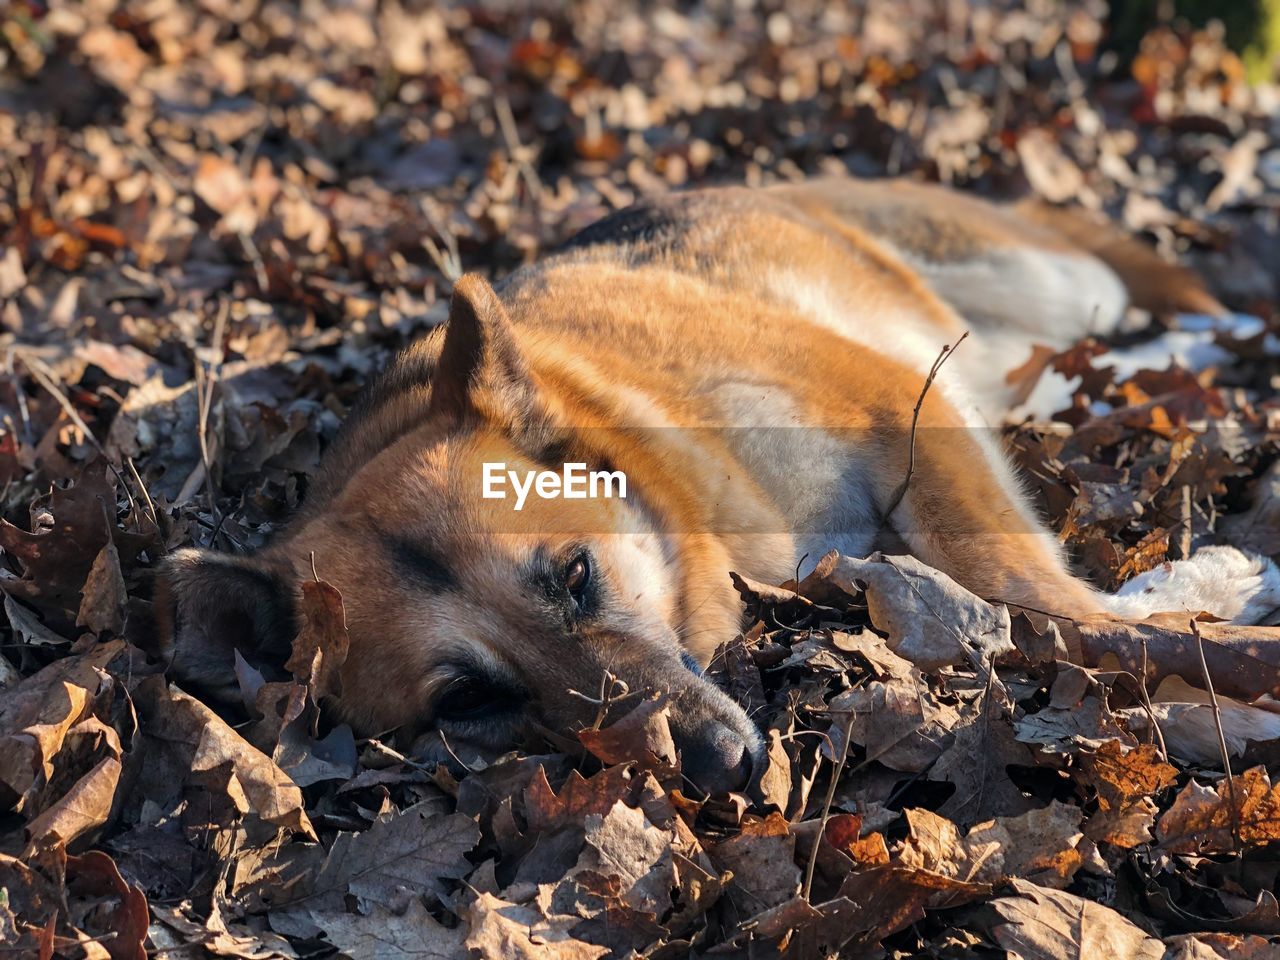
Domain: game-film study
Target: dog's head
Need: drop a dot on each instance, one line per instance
(471, 622)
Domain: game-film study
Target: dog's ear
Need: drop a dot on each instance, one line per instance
(209, 605)
(481, 369)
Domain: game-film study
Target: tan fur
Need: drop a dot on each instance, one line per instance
(643, 347)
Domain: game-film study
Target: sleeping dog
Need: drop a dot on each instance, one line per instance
(738, 370)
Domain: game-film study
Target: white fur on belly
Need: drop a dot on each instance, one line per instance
(1057, 298)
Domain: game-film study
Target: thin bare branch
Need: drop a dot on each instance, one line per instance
(1222, 739)
(901, 492)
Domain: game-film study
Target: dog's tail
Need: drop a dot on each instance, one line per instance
(1153, 283)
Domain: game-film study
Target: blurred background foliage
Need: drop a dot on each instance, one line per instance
(1252, 27)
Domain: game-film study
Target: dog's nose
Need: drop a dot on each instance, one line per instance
(717, 758)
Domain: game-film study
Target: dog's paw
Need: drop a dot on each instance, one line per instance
(1226, 582)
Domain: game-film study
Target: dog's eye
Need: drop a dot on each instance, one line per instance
(576, 577)
(470, 698)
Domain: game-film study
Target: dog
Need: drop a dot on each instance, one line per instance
(748, 360)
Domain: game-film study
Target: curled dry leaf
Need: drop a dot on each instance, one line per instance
(929, 619)
(187, 739)
(642, 735)
(83, 808)
(117, 910)
(37, 714)
(322, 645)
(104, 597)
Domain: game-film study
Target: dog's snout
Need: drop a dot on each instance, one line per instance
(717, 758)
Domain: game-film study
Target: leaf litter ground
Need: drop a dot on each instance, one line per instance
(218, 220)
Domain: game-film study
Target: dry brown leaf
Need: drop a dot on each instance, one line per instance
(1220, 946)
(886, 899)
(410, 935)
(642, 735)
(1040, 846)
(627, 848)
(1042, 924)
(1052, 173)
(929, 618)
(844, 832)
(775, 782)
(399, 858)
(1124, 827)
(119, 914)
(983, 748)
(1205, 820)
(1190, 724)
(899, 722)
(762, 861)
(1124, 776)
(104, 598)
(81, 809)
(321, 647)
(498, 928)
(188, 735)
(37, 714)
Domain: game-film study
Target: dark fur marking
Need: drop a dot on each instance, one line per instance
(419, 563)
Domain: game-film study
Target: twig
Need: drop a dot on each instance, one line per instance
(255, 260)
(1222, 740)
(1146, 701)
(388, 751)
(901, 492)
(44, 376)
(205, 384)
(142, 487)
(20, 396)
(612, 690)
(826, 807)
(522, 155)
(1184, 537)
(448, 261)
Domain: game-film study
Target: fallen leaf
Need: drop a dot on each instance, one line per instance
(104, 597)
(399, 858)
(119, 913)
(1040, 846)
(1041, 924)
(322, 645)
(642, 735)
(1245, 810)
(411, 935)
(762, 861)
(497, 928)
(929, 618)
(185, 737)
